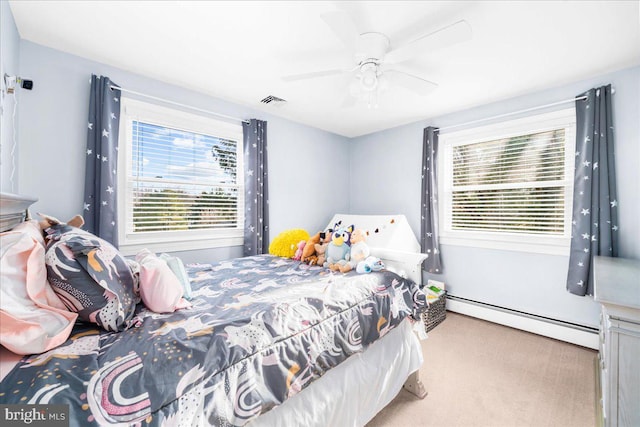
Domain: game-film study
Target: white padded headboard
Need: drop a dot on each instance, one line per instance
(391, 239)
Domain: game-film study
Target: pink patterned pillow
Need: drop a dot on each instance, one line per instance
(160, 289)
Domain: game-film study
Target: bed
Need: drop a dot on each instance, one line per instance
(267, 339)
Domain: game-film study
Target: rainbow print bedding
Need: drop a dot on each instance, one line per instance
(261, 329)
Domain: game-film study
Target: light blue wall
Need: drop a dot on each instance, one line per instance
(381, 170)
(53, 136)
(9, 60)
(385, 178)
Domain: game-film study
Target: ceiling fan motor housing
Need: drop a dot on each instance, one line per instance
(371, 47)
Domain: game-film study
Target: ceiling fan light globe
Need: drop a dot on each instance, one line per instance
(369, 80)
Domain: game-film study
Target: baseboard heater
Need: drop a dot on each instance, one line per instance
(585, 336)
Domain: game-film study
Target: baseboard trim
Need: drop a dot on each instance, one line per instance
(583, 336)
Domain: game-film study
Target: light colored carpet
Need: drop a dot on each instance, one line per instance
(479, 373)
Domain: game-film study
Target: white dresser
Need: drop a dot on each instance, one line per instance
(617, 289)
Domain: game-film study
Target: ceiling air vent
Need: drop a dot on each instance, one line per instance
(273, 100)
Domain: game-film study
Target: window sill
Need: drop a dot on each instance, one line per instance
(132, 248)
(543, 245)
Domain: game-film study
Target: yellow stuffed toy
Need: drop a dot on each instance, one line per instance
(286, 243)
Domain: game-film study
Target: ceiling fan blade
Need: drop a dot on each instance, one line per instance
(410, 82)
(343, 27)
(444, 37)
(313, 75)
(349, 101)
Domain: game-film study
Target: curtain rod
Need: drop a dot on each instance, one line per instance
(179, 104)
(578, 98)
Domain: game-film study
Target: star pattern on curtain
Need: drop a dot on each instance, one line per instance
(100, 194)
(595, 205)
(429, 216)
(256, 235)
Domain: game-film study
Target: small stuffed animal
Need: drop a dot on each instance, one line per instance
(359, 250)
(49, 221)
(313, 253)
(321, 249)
(301, 245)
(309, 251)
(309, 254)
(337, 252)
(370, 264)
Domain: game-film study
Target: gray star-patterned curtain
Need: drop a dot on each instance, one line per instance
(100, 186)
(256, 211)
(595, 205)
(429, 206)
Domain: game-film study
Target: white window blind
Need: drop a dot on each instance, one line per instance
(513, 184)
(509, 185)
(181, 180)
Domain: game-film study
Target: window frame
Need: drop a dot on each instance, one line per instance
(502, 240)
(131, 243)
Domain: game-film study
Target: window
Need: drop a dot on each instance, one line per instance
(509, 185)
(180, 180)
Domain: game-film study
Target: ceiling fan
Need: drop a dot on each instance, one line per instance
(374, 58)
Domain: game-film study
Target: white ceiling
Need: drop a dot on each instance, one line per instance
(238, 51)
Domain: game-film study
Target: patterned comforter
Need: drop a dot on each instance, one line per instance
(261, 329)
